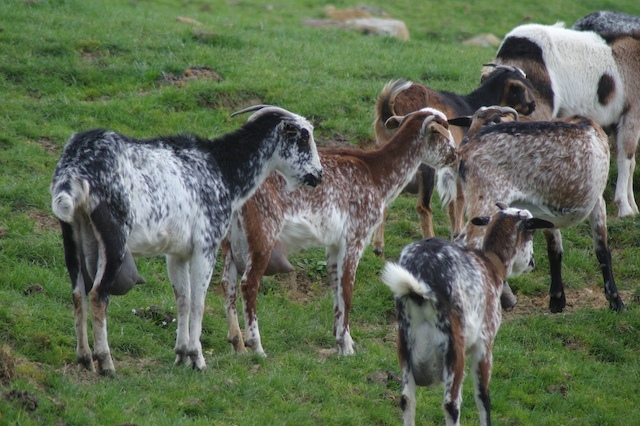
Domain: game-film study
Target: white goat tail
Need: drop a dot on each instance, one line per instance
(65, 202)
(447, 185)
(402, 282)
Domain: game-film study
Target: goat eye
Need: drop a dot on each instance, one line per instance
(304, 138)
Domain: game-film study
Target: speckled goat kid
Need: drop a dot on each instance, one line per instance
(448, 306)
(116, 196)
(558, 170)
(339, 215)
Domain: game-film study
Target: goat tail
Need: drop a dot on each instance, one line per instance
(67, 197)
(447, 185)
(403, 283)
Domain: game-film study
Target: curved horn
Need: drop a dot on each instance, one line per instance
(507, 67)
(263, 109)
(501, 205)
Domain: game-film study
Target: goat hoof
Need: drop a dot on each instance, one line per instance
(615, 304)
(86, 361)
(379, 251)
(557, 304)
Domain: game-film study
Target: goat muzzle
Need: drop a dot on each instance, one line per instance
(312, 180)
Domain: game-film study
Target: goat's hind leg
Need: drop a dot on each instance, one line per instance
(481, 378)
(598, 221)
(408, 401)
(257, 263)
(557, 298)
(626, 144)
(79, 294)
(111, 240)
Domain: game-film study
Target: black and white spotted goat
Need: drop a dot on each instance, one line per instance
(448, 306)
(116, 196)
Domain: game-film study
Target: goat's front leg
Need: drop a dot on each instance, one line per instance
(557, 298)
(230, 288)
(426, 183)
(200, 272)
(378, 236)
(342, 267)
(178, 270)
(598, 221)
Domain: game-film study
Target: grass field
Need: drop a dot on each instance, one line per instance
(69, 65)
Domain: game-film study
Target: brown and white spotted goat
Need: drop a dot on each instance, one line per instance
(116, 196)
(505, 85)
(557, 169)
(340, 215)
(448, 306)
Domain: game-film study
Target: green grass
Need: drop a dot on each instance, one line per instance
(68, 65)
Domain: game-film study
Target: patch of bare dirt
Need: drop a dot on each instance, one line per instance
(44, 221)
(27, 401)
(49, 146)
(584, 298)
(301, 288)
(190, 74)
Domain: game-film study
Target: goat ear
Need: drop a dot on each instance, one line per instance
(481, 221)
(536, 223)
(393, 122)
(461, 121)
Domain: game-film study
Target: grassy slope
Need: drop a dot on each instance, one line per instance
(70, 65)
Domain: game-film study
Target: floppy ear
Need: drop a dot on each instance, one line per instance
(435, 126)
(481, 221)
(393, 122)
(460, 121)
(536, 223)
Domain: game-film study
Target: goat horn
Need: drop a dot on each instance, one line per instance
(501, 205)
(263, 109)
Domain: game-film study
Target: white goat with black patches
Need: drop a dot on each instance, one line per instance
(116, 196)
(581, 72)
(340, 216)
(448, 306)
(558, 170)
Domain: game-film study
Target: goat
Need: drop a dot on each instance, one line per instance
(116, 197)
(504, 86)
(607, 22)
(556, 169)
(448, 307)
(581, 72)
(340, 215)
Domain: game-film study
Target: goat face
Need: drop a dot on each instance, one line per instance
(516, 90)
(300, 163)
(515, 247)
(435, 133)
